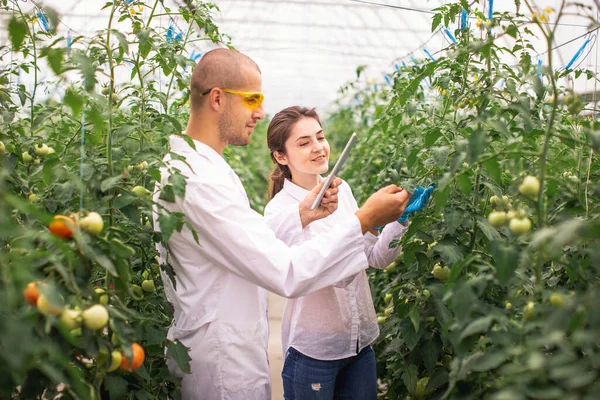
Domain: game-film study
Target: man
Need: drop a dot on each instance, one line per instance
(220, 299)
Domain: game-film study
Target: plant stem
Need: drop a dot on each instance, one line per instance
(110, 101)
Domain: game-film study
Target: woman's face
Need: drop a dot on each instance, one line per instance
(306, 149)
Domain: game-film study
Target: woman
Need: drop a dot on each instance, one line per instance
(327, 334)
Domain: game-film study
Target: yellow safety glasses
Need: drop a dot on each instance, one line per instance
(252, 100)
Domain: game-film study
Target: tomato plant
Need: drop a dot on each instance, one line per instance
(76, 172)
(510, 316)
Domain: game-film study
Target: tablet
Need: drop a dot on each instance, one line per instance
(335, 170)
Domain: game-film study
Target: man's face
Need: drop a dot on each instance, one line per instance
(237, 121)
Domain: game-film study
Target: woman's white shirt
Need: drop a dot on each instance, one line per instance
(331, 323)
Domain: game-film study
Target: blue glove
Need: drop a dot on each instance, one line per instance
(417, 202)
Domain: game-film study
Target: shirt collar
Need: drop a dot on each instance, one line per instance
(180, 145)
(297, 192)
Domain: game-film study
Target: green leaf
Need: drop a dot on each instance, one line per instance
(74, 101)
(477, 145)
(493, 168)
(179, 353)
(123, 200)
(410, 336)
(487, 361)
(179, 182)
(438, 379)
(512, 30)
(167, 194)
(94, 115)
(123, 43)
(506, 259)
(480, 325)
(464, 184)
(87, 68)
(116, 386)
(105, 263)
(17, 29)
(111, 182)
(435, 22)
(463, 301)
(431, 352)
(432, 136)
(120, 249)
(55, 58)
(415, 317)
(488, 230)
(170, 223)
(449, 251)
(440, 155)
(410, 378)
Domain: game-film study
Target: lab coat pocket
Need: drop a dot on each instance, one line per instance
(243, 348)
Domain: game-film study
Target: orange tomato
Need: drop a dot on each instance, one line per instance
(138, 358)
(31, 294)
(62, 226)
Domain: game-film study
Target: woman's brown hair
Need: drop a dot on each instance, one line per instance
(278, 133)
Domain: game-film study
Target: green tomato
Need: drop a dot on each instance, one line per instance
(557, 300)
(141, 191)
(48, 308)
(26, 157)
(137, 290)
(95, 317)
(71, 318)
(41, 149)
(391, 268)
(381, 320)
(520, 226)
(103, 297)
(529, 311)
(387, 298)
(530, 186)
(148, 286)
(495, 201)
(388, 311)
(92, 223)
(497, 218)
(115, 360)
(420, 392)
(441, 273)
(427, 294)
(34, 198)
(2, 147)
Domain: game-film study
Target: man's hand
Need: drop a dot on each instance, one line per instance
(327, 207)
(384, 206)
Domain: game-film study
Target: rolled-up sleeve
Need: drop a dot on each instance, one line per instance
(377, 248)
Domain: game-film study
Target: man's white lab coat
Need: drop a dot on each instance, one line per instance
(220, 299)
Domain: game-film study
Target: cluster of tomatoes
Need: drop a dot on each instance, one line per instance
(517, 219)
(96, 317)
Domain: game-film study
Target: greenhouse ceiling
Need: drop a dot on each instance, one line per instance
(308, 49)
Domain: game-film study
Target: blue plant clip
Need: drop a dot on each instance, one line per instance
(43, 21)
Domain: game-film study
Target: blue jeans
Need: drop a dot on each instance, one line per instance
(306, 378)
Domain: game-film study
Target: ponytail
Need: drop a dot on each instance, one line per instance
(277, 179)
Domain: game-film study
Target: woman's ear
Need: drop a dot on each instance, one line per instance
(280, 158)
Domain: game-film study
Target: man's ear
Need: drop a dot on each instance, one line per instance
(216, 99)
(280, 158)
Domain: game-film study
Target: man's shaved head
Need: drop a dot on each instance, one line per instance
(219, 68)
